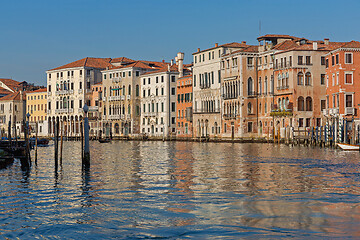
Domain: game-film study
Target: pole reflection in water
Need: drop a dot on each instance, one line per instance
(183, 190)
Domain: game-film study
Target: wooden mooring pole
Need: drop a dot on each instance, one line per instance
(36, 142)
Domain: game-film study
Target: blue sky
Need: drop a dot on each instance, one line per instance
(39, 35)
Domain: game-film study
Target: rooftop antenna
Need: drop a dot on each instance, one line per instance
(259, 27)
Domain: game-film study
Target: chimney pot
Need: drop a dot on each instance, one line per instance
(326, 41)
(315, 46)
(198, 50)
(243, 42)
(163, 60)
(216, 44)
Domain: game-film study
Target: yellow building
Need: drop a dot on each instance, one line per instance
(36, 103)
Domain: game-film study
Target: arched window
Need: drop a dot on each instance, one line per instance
(137, 90)
(265, 86)
(283, 80)
(308, 79)
(279, 80)
(287, 80)
(129, 91)
(300, 78)
(250, 87)
(300, 104)
(64, 102)
(260, 86)
(249, 108)
(308, 104)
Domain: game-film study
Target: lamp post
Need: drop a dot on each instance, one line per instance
(86, 159)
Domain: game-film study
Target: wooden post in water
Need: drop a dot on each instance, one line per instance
(61, 141)
(278, 135)
(56, 142)
(36, 142)
(82, 140)
(86, 159)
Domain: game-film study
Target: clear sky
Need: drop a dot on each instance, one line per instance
(39, 35)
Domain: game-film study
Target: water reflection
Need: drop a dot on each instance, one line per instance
(183, 190)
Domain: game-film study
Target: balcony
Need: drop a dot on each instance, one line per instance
(80, 91)
(282, 111)
(229, 116)
(114, 117)
(349, 111)
(63, 92)
(150, 114)
(93, 108)
(252, 93)
(114, 98)
(325, 112)
(128, 97)
(48, 93)
(122, 97)
(115, 79)
(64, 110)
(207, 111)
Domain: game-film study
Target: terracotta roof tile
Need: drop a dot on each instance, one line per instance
(87, 62)
(122, 60)
(173, 68)
(37, 90)
(277, 36)
(352, 44)
(185, 77)
(13, 96)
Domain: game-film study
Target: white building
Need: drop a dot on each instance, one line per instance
(206, 88)
(69, 88)
(121, 95)
(158, 101)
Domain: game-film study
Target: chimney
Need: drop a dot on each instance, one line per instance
(169, 67)
(326, 41)
(176, 60)
(198, 50)
(216, 44)
(315, 46)
(163, 61)
(243, 42)
(172, 62)
(180, 58)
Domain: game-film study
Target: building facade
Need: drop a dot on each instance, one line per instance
(206, 89)
(69, 89)
(342, 91)
(184, 103)
(36, 104)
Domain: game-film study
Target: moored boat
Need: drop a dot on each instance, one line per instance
(348, 147)
(104, 140)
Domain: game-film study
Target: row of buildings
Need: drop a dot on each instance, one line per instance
(233, 90)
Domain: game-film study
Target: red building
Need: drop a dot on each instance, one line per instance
(184, 107)
(343, 89)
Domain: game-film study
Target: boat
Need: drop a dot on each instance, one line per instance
(349, 147)
(104, 140)
(41, 142)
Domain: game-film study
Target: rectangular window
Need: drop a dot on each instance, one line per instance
(219, 76)
(348, 58)
(332, 60)
(322, 60)
(172, 78)
(308, 60)
(129, 73)
(173, 108)
(348, 99)
(162, 107)
(137, 73)
(308, 122)
(327, 63)
(348, 78)
(300, 60)
(173, 91)
(194, 80)
(322, 79)
(337, 59)
(301, 122)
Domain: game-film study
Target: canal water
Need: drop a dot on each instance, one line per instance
(183, 190)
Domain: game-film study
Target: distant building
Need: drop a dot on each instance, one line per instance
(69, 89)
(158, 101)
(95, 110)
(12, 113)
(36, 104)
(206, 89)
(343, 90)
(121, 95)
(184, 107)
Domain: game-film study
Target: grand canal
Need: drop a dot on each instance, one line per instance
(183, 190)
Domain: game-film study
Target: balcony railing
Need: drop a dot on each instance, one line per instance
(64, 110)
(349, 111)
(62, 92)
(128, 97)
(93, 108)
(216, 110)
(252, 93)
(229, 116)
(114, 98)
(150, 114)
